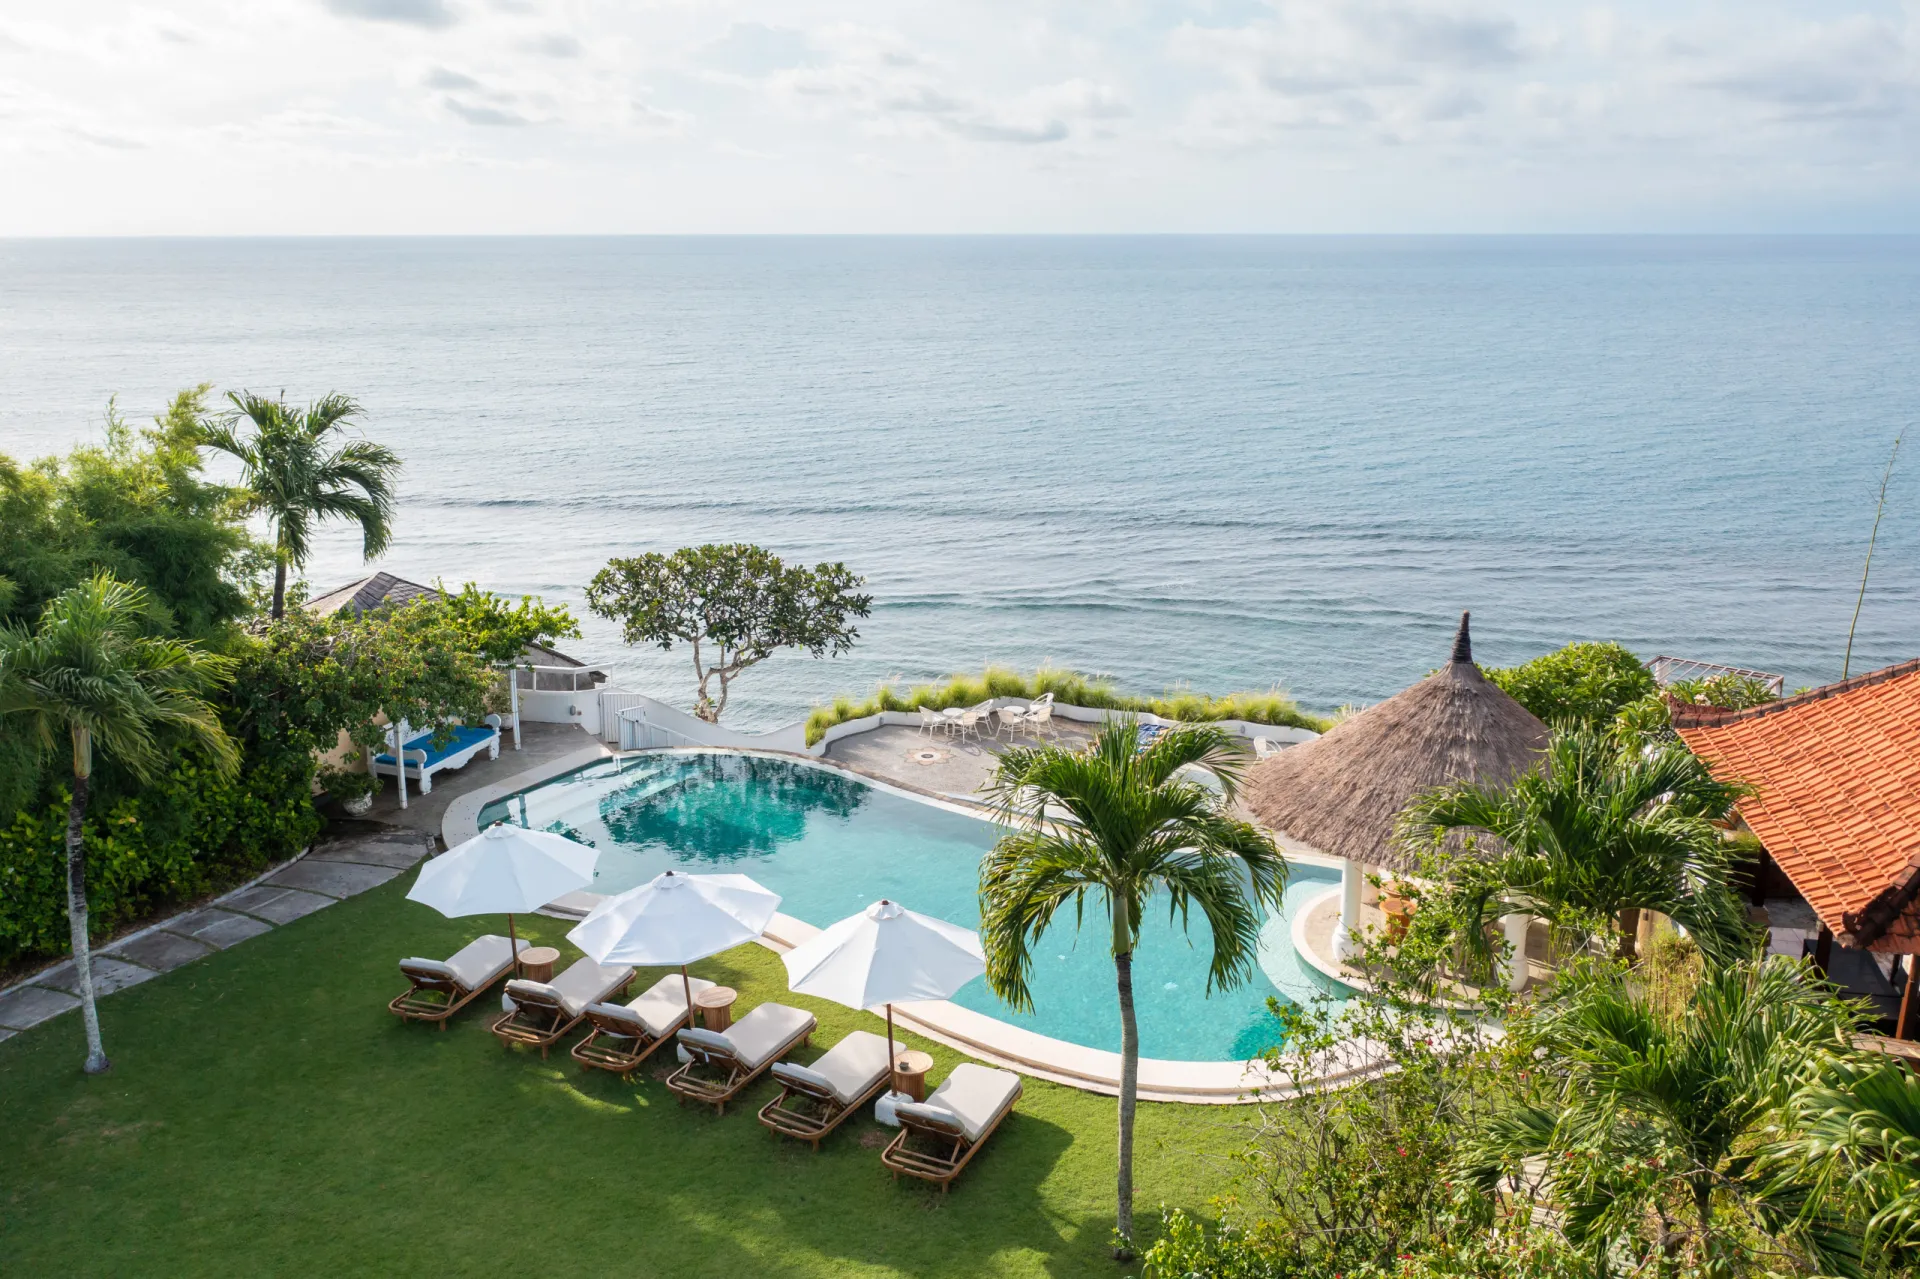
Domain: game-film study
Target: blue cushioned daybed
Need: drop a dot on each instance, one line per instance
(424, 759)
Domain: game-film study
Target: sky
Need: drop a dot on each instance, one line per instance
(213, 117)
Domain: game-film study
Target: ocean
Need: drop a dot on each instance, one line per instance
(1219, 462)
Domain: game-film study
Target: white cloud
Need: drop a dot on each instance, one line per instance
(825, 115)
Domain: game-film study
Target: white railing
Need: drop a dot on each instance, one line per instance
(638, 733)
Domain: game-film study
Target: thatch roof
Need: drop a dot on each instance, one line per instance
(1342, 792)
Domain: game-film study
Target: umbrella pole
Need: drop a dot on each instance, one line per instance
(893, 1080)
(513, 944)
(687, 986)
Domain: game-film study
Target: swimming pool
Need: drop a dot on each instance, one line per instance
(829, 844)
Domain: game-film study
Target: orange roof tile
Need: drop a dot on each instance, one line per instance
(1837, 771)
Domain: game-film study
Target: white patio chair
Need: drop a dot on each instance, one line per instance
(1011, 718)
(932, 722)
(1039, 717)
(968, 721)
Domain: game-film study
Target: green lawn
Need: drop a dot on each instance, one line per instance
(266, 1115)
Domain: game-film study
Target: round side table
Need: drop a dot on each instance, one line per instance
(715, 1005)
(910, 1074)
(536, 963)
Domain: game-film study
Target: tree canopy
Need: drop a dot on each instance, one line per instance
(1584, 683)
(735, 604)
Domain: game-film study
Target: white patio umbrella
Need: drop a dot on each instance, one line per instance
(504, 870)
(886, 954)
(675, 919)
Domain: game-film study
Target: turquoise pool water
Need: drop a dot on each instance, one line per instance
(830, 844)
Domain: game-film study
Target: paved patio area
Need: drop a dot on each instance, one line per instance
(540, 743)
(956, 768)
(356, 856)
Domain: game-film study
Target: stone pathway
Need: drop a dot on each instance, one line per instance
(338, 868)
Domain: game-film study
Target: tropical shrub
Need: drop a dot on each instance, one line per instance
(1069, 688)
(1585, 683)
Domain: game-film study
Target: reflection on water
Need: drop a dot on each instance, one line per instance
(722, 808)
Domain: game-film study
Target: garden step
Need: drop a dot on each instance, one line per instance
(335, 879)
(217, 928)
(26, 1006)
(277, 905)
(161, 951)
(395, 853)
(109, 975)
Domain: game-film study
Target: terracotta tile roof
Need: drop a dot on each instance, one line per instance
(1838, 803)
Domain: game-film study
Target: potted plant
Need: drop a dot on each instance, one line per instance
(1398, 901)
(353, 788)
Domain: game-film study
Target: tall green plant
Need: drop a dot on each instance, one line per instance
(292, 473)
(1598, 830)
(1649, 1132)
(89, 676)
(1118, 824)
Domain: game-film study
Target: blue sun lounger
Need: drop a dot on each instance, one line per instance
(423, 759)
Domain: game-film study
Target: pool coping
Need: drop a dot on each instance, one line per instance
(1095, 1070)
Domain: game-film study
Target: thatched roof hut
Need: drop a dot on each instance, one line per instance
(1341, 793)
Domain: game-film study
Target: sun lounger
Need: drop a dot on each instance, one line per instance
(815, 1099)
(724, 1062)
(952, 1124)
(624, 1035)
(442, 988)
(543, 1012)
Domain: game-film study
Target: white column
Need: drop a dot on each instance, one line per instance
(399, 737)
(1515, 927)
(1346, 934)
(513, 693)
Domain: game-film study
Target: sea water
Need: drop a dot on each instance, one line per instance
(1221, 462)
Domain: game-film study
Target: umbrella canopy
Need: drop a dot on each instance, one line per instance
(675, 919)
(886, 954)
(1342, 792)
(504, 870)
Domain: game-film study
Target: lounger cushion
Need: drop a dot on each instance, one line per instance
(623, 1020)
(853, 1066)
(522, 991)
(431, 968)
(975, 1095)
(766, 1032)
(707, 1041)
(588, 983)
(805, 1080)
(665, 1002)
(928, 1115)
(482, 960)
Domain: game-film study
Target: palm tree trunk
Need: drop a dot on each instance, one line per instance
(1629, 933)
(1129, 1087)
(97, 1062)
(279, 589)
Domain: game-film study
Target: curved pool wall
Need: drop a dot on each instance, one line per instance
(830, 841)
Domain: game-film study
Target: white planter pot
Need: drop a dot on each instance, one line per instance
(358, 806)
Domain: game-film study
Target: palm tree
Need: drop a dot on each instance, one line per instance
(1853, 1141)
(1598, 832)
(1659, 1116)
(291, 473)
(88, 675)
(1117, 823)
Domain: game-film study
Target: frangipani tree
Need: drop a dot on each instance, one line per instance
(1111, 827)
(735, 604)
(88, 678)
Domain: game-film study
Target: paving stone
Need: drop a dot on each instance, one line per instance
(162, 952)
(30, 1005)
(382, 853)
(218, 928)
(335, 879)
(279, 905)
(109, 975)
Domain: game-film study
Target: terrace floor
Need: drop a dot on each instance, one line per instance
(954, 767)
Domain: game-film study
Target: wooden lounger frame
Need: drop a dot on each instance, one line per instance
(414, 1006)
(940, 1169)
(511, 1028)
(688, 1086)
(776, 1117)
(599, 1051)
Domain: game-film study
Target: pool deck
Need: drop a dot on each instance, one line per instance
(888, 756)
(952, 768)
